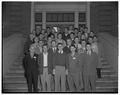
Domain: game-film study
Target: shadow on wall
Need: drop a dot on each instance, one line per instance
(110, 49)
(12, 49)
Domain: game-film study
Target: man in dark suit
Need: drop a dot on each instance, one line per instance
(66, 49)
(66, 34)
(60, 66)
(31, 70)
(53, 51)
(74, 70)
(89, 70)
(45, 68)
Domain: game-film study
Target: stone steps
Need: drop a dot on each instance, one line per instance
(14, 81)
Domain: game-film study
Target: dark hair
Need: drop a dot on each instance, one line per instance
(71, 33)
(59, 44)
(95, 36)
(53, 41)
(75, 28)
(90, 37)
(48, 27)
(88, 44)
(73, 46)
(44, 45)
(86, 28)
(76, 37)
(59, 33)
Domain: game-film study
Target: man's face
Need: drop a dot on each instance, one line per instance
(36, 40)
(76, 30)
(90, 40)
(86, 30)
(83, 43)
(60, 36)
(53, 43)
(76, 40)
(60, 47)
(83, 37)
(79, 34)
(88, 47)
(95, 39)
(91, 34)
(40, 43)
(43, 31)
(66, 30)
(49, 39)
(40, 36)
(69, 42)
(45, 48)
(31, 36)
(72, 48)
(32, 49)
(72, 36)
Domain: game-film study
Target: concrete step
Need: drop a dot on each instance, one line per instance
(17, 71)
(16, 68)
(106, 66)
(107, 84)
(16, 90)
(14, 74)
(13, 86)
(112, 89)
(12, 80)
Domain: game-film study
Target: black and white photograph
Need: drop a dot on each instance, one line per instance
(59, 47)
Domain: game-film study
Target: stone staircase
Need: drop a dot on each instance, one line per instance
(14, 80)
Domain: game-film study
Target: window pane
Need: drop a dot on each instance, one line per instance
(82, 17)
(38, 17)
(60, 17)
(49, 17)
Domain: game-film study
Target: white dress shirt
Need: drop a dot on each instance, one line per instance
(60, 52)
(45, 59)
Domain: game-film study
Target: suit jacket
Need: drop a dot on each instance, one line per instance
(66, 50)
(40, 63)
(30, 64)
(90, 64)
(73, 63)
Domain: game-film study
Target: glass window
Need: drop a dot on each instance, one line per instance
(82, 17)
(60, 17)
(38, 17)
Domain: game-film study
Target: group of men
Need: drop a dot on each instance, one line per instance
(62, 61)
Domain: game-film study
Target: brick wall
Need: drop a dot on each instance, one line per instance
(104, 17)
(16, 18)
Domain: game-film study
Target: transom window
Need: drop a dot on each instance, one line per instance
(60, 17)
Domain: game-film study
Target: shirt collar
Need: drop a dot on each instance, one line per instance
(89, 52)
(45, 53)
(60, 51)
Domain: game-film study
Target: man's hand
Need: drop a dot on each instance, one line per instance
(53, 71)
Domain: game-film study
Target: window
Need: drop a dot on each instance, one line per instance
(38, 17)
(82, 17)
(60, 17)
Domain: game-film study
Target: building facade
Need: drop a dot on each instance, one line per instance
(60, 14)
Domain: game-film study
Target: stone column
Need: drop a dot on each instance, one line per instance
(32, 17)
(43, 20)
(88, 15)
(76, 19)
